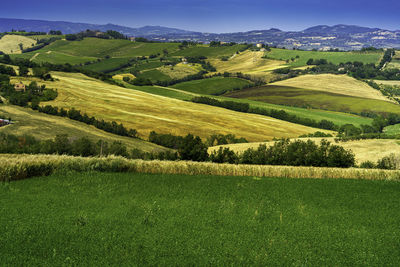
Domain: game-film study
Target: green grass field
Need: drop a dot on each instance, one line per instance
(208, 51)
(333, 57)
(126, 219)
(213, 86)
(293, 96)
(392, 129)
(54, 57)
(107, 64)
(154, 75)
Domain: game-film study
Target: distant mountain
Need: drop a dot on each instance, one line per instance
(73, 27)
(323, 37)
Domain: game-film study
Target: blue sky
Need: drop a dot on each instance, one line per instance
(212, 15)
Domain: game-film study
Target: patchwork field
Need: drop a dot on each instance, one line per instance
(364, 150)
(10, 44)
(333, 57)
(306, 98)
(43, 126)
(209, 52)
(147, 112)
(338, 84)
(213, 86)
(116, 219)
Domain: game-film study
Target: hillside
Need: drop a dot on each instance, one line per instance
(147, 112)
(213, 86)
(338, 84)
(43, 126)
(11, 44)
(298, 58)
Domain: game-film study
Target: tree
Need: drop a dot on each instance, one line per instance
(23, 71)
(193, 149)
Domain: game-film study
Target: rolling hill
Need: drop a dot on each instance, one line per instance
(12, 44)
(43, 126)
(147, 112)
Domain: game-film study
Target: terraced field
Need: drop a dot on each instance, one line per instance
(364, 150)
(213, 86)
(147, 112)
(43, 126)
(333, 57)
(9, 44)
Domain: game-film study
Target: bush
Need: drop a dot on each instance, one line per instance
(391, 162)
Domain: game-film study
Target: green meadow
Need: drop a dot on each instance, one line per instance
(213, 86)
(101, 219)
(333, 57)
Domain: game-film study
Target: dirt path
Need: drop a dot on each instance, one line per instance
(32, 58)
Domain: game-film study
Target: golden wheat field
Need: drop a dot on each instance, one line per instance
(364, 150)
(338, 84)
(43, 126)
(392, 83)
(9, 44)
(147, 112)
(249, 62)
(16, 167)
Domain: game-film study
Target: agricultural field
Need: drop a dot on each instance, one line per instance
(395, 63)
(213, 86)
(338, 118)
(180, 70)
(116, 219)
(154, 75)
(333, 57)
(10, 44)
(147, 112)
(54, 57)
(338, 84)
(364, 150)
(43, 126)
(249, 62)
(384, 82)
(306, 98)
(105, 65)
(209, 52)
(392, 129)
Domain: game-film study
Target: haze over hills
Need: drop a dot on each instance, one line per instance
(344, 37)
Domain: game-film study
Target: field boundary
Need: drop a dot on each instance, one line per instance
(17, 167)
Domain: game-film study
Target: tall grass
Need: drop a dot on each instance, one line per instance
(15, 167)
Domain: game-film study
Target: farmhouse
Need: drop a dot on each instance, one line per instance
(259, 45)
(4, 122)
(132, 39)
(184, 61)
(20, 87)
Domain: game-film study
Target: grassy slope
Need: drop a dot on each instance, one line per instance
(371, 149)
(392, 129)
(212, 86)
(147, 112)
(9, 44)
(209, 52)
(89, 49)
(125, 219)
(339, 84)
(45, 126)
(250, 62)
(300, 97)
(333, 57)
(316, 114)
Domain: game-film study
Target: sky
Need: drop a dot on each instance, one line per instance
(212, 15)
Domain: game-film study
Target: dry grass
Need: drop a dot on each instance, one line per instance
(9, 44)
(43, 126)
(338, 84)
(122, 76)
(180, 70)
(16, 167)
(249, 62)
(364, 150)
(391, 83)
(147, 112)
